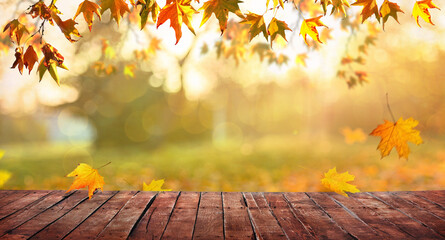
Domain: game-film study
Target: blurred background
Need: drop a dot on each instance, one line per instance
(217, 113)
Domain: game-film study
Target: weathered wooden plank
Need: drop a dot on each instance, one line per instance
(314, 217)
(122, 224)
(64, 225)
(13, 196)
(289, 222)
(16, 219)
(237, 223)
(265, 224)
(383, 226)
(93, 226)
(434, 196)
(209, 222)
(426, 218)
(346, 220)
(182, 220)
(4, 193)
(45, 218)
(22, 202)
(154, 221)
(423, 203)
(404, 222)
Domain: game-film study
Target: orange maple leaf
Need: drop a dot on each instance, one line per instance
(397, 135)
(309, 27)
(86, 176)
(117, 8)
(369, 8)
(18, 59)
(30, 58)
(16, 29)
(177, 11)
(67, 27)
(338, 182)
(421, 9)
(88, 9)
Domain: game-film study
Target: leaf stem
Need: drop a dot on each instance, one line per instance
(103, 165)
(389, 108)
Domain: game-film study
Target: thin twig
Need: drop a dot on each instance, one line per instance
(389, 108)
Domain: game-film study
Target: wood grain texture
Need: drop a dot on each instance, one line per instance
(427, 219)
(37, 223)
(265, 224)
(288, 221)
(216, 215)
(154, 221)
(401, 220)
(312, 216)
(370, 216)
(16, 219)
(182, 220)
(347, 220)
(69, 221)
(93, 225)
(237, 223)
(122, 224)
(209, 222)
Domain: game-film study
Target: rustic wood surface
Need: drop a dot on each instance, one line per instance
(215, 215)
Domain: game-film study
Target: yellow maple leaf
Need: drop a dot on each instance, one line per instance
(277, 27)
(221, 9)
(117, 8)
(389, 9)
(421, 9)
(369, 7)
(86, 176)
(257, 25)
(177, 11)
(155, 185)
(275, 3)
(337, 182)
(308, 27)
(88, 9)
(397, 135)
(4, 177)
(16, 29)
(353, 136)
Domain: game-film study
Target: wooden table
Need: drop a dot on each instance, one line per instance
(215, 215)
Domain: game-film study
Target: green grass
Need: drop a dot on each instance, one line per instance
(279, 163)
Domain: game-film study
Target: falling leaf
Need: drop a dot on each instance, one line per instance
(86, 176)
(150, 7)
(177, 11)
(389, 9)
(88, 9)
(16, 29)
(369, 7)
(18, 59)
(30, 58)
(337, 182)
(353, 136)
(117, 8)
(221, 9)
(155, 185)
(277, 27)
(421, 9)
(257, 25)
(309, 27)
(397, 135)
